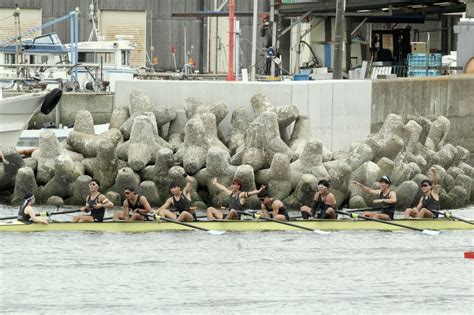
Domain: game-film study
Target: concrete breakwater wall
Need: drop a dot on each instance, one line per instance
(450, 96)
(148, 146)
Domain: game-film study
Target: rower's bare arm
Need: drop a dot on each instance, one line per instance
(166, 205)
(105, 203)
(146, 205)
(253, 192)
(393, 198)
(434, 180)
(330, 199)
(189, 185)
(276, 205)
(420, 204)
(220, 186)
(34, 218)
(125, 209)
(366, 189)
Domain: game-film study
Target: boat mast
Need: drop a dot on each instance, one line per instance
(18, 42)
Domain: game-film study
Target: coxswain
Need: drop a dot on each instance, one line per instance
(387, 199)
(272, 208)
(96, 203)
(180, 202)
(135, 207)
(429, 201)
(26, 214)
(324, 204)
(237, 200)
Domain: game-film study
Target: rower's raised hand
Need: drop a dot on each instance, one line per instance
(262, 188)
(214, 180)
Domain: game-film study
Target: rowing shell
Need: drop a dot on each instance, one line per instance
(238, 226)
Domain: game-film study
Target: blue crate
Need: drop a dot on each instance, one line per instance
(422, 73)
(417, 60)
(300, 77)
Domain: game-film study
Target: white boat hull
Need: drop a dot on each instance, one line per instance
(15, 113)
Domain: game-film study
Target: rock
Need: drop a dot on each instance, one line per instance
(414, 130)
(357, 202)
(286, 115)
(304, 192)
(339, 176)
(84, 122)
(49, 150)
(220, 110)
(239, 123)
(125, 178)
(279, 185)
(104, 166)
(367, 174)
(455, 171)
(139, 104)
(24, 183)
(55, 201)
(401, 173)
(12, 162)
(310, 162)
(176, 130)
(406, 194)
(359, 154)
(31, 163)
(438, 133)
(114, 198)
(252, 152)
(80, 189)
(148, 189)
(459, 196)
(425, 124)
(164, 114)
(466, 183)
(87, 144)
(386, 165)
(209, 120)
(467, 169)
(65, 174)
(120, 114)
(245, 174)
(193, 152)
(446, 201)
(260, 104)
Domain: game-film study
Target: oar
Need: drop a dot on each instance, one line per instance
(355, 216)
(448, 215)
(366, 209)
(43, 214)
(258, 216)
(213, 232)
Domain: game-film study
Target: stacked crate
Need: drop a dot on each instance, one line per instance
(418, 65)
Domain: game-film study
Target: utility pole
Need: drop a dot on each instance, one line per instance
(274, 31)
(254, 41)
(337, 69)
(230, 71)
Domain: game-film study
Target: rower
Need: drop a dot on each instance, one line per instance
(26, 214)
(237, 200)
(95, 204)
(429, 201)
(272, 208)
(181, 201)
(387, 199)
(135, 207)
(324, 204)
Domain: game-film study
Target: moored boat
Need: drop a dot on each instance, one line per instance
(236, 226)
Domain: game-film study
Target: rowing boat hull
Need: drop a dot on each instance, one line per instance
(237, 226)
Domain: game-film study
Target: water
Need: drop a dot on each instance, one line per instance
(260, 273)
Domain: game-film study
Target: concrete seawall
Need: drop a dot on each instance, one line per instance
(450, 96)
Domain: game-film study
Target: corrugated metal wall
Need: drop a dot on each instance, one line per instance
(162, 30)
(29, 18)
(130, 23)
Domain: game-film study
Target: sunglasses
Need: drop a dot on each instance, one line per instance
(425, 185)
(92, 184)
(127, 193)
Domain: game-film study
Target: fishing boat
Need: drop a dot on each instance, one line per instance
(17, 111)
(237, 226)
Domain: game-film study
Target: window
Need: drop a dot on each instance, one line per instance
(86, 57)
(106, 58)
(9, 59)
(125, 58)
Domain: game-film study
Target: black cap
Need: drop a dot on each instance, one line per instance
(385, 179)
(426, 181)
(324, 183)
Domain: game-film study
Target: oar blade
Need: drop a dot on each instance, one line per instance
(430, 232)
(215, 232)
(321, 232)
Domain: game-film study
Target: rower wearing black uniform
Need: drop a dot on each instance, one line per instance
(26, 214)
(135, 207)
(272, 208)
(237, 200)
(96, 203)
(324, 204)
(180, 201)
(386, 199)
(429, 201)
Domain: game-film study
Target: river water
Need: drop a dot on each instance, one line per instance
(358, 272)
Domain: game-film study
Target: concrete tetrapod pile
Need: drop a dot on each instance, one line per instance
(149, 146)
